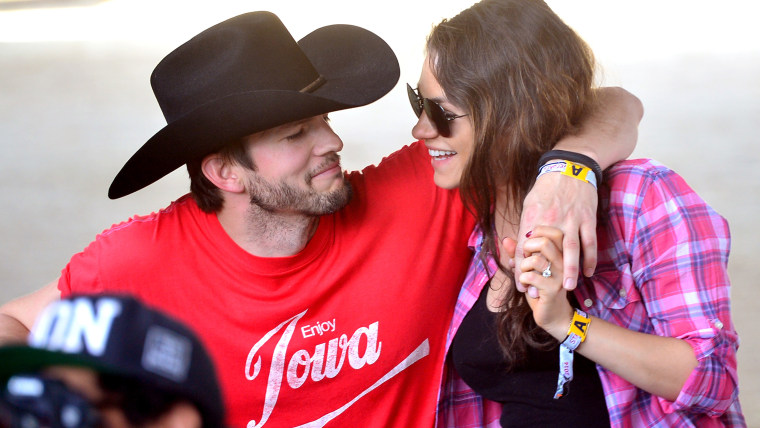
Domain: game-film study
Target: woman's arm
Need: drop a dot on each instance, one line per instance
(658, 365)
(678, 252)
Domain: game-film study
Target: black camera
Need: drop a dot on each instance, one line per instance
(34, 401)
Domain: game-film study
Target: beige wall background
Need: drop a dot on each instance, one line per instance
(75, 103)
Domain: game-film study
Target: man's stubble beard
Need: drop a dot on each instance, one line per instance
(283, 197)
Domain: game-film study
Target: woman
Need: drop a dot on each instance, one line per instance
(651, 329)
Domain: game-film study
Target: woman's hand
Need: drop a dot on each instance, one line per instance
(542, 272)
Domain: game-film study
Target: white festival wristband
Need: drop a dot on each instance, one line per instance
(576, 334)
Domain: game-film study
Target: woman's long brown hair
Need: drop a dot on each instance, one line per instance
(525, 78)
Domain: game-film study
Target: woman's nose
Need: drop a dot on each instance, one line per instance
(424, 128)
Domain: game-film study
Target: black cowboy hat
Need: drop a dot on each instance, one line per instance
(248, 74)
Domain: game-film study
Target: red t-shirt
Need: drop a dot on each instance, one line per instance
(348, 332)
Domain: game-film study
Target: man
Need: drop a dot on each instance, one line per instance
(109, 361)
(324, 297)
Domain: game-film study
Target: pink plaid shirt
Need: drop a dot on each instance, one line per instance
(663, 254)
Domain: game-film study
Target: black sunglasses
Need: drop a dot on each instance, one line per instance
(434, 111)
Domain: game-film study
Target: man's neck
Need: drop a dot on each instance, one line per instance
(267, 234)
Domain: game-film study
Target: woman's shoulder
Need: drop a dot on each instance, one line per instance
(634, 178)
(644, 167)
(644, 189)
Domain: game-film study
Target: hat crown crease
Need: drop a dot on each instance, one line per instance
(247, 53)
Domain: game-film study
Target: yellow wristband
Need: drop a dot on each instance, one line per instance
(580, 172)
(570, 169)
(579, 325)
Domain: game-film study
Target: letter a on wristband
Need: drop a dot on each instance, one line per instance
(579, 325)
(570, 169)
(580, 172)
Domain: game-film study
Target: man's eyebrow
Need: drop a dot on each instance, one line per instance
(297, 122)
(285, 127)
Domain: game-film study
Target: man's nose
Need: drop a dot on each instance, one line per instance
(327, 140)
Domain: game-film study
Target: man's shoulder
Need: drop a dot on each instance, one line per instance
(401, 187)
(415, 151)
(408, 158)
(185, 206)
(143, 249)
(399, 175)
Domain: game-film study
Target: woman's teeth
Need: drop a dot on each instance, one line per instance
(441, 153)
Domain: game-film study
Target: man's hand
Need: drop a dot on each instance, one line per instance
(570, 205)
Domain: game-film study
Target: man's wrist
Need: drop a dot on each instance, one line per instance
(570, 169)
(572, 157)
(582, 144)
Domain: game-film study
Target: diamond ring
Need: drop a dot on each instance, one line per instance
(548, 271)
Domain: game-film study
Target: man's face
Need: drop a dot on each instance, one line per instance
(297, 169)
(86, 382)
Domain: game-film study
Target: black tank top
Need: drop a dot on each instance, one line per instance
(526, 393)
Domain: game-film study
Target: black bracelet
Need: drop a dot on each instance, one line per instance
(572, 157)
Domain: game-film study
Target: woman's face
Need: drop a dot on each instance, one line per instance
(449, 154)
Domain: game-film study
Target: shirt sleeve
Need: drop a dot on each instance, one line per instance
(679, 255)
(81, 274)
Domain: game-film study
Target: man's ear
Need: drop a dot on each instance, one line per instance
(222, 173)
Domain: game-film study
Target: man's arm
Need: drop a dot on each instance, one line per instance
(608, 135)
(17, 316)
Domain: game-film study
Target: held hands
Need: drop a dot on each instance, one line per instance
(542, 272)
(570, 205)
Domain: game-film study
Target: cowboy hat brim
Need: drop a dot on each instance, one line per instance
(357, 68)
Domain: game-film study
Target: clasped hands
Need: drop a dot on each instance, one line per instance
(558, 221)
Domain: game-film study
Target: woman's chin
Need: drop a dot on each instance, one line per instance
(445, 182)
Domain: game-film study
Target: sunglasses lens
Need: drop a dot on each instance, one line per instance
(414, 100)
(437, 116)
(434, 112)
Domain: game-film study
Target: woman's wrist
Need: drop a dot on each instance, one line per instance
(559, 328)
